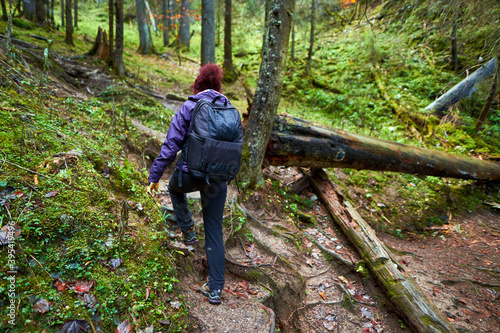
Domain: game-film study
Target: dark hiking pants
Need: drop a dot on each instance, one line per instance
(213, 199)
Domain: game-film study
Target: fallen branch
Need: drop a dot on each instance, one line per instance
(464, 89)
(331, 253)
(408, 299)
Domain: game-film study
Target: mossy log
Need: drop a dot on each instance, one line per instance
(297, 142)
(408, 299)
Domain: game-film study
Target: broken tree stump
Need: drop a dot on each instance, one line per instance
(408, 299)
(298, 142)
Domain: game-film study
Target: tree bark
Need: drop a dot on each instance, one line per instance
(5, 16)
(464, 89)
(297, 142)
(118, 65)
(51, 13)
(111, 29)
(207, 32)
(69, 24)
(76, 13)
(41, 11)
(146, 42)
(62, 13)
(311, 39)
(228, 44)
(165, 9)
(29, 10)
(411, 303)
(99, 46)
(184, 32)
(293, 42)
(454, 46)
(268, 93)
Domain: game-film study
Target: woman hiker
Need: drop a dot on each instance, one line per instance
(208, 86)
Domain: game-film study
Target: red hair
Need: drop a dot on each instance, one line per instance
(210, 77)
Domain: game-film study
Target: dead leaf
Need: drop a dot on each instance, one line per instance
(124, 327)
(81, 286)
(343, 279)
(322, 294)
(89, 301)
(42, 306)
(59, 285)
(51, 194)
(75, 326)
(115, 263)
(147, 293)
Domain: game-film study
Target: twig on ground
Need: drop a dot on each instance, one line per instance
(333, 254)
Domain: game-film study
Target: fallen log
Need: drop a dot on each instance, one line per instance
(464, 89)
(298, 142)
(409, 301)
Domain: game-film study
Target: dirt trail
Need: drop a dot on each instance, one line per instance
(275, 271)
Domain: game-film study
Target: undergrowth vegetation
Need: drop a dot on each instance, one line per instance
(77, 198)
(80, 210)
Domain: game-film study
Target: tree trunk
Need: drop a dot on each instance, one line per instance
(69, 24)
(29, 10)
(297, 142)
(118, 65)
(228, 45)
(454, 47)
(62, 13)
(76, 13)
(165, 9)
(463, 89)
(5, 16)
(151, 17)
(146, 42)
(293, 42)
(41, 11)
(311, 39)
(207, 32)
(268, 93)
(184, 32)
(410, 302)
(111, 19)
(218, 6)
(51, 13)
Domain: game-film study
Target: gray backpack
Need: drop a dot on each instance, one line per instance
(215, 140)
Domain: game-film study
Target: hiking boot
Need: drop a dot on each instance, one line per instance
(190, 237)
(213, 295)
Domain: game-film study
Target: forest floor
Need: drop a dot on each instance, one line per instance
(278, 278)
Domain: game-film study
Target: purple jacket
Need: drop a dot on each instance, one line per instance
(177, 135)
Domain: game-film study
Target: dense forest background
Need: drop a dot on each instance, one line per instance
(88, 90)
